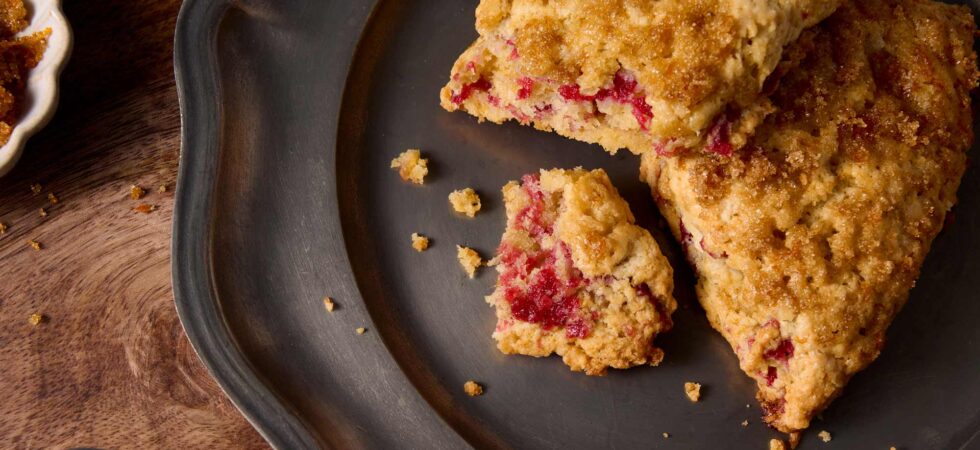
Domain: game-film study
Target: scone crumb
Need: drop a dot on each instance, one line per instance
(162, 188)
(34, 244)
(42, 213)
(361, 330)
(469, 259)
(776, 444)
(472, 388)
(37, 319)
(52, 198)
(824, 436)
(36, 188)
(892, 448)
(3, 228)
(465, 201)
(794, 439)
(329, 304)
(411, 166)
(145, 208)
(666, 435)
(693, 391)
(745, 423)
(136, 192)
(419, 242)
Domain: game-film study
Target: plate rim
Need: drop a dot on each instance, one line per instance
(195, 296)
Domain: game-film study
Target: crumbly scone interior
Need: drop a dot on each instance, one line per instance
(577, 276)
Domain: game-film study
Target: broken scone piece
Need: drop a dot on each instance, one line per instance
(472, 388)
(419, 243)
(465, 201)
(411, 166)
(643, 75)
(577, 276)
(469, 259)
(693, 391)
(806, 245)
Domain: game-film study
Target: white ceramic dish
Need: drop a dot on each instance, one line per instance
(42, 81)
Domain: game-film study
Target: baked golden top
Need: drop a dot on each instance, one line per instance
(808, 242)
(691, 58)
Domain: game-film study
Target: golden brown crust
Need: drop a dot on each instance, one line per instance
(808, 243)
(691, 61)
(577, 276)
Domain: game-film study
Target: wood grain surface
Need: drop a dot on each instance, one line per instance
(110, 367)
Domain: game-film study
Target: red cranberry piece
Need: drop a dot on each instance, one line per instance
(642, 111)
(783, 352)
(513, 50)
(771, 375)
(531, 218)
(719, 137)
(481, 85)
(572, 92)
(527, 86)
(577, 328)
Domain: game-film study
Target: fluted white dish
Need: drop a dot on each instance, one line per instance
(42, 81)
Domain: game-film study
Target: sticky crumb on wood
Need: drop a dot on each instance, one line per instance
(145, 208)
(34, 244)
(666, 435)
(776, 444)
(361, 330)
(42, 213)
(745, 423)
(329, 304)
(472, 388)
(52, 198)
(136, 192)
(693, 391)
(162, 188)
(37, 319)
(824, 436)
(794, 439)
(465, 201)
(36, 188)
(411, 166)
(469, 259)
(419, 242)
(3, 228)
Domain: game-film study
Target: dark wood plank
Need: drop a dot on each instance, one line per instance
(111, 367)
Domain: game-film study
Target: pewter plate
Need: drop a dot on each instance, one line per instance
(292, 111)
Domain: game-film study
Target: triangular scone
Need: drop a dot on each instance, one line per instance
(807, 244)
(636, 74)
(577, 276)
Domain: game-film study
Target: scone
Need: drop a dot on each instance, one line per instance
(636, 74)
(807, 243)
(577, 276)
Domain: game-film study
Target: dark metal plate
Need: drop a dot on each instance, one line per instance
(284, 196)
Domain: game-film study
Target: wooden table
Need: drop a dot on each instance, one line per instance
(111, 366)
